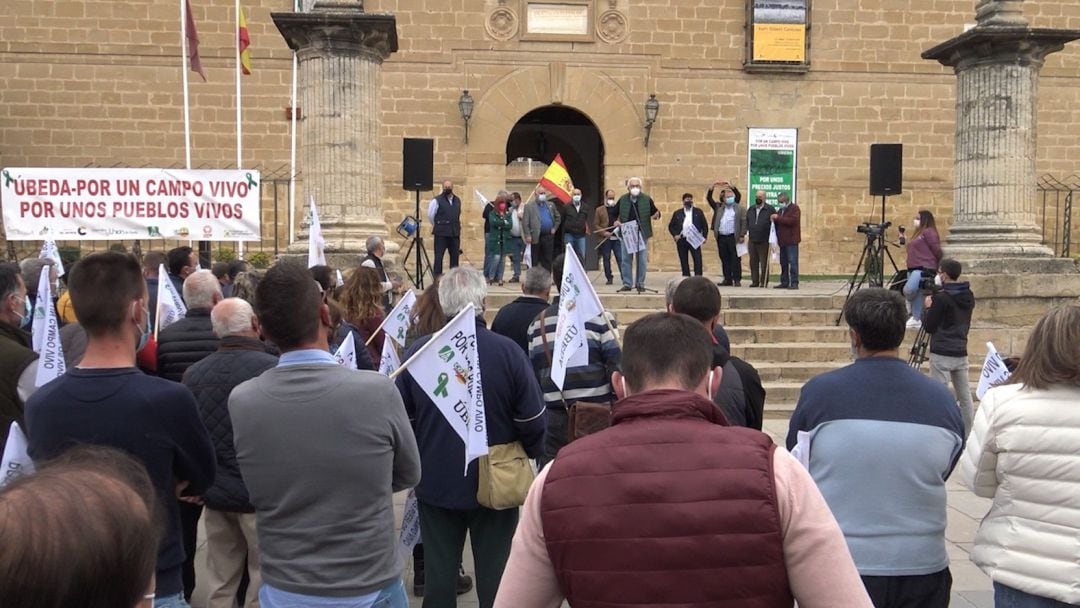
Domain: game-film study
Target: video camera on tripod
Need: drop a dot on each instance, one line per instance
(872, 230)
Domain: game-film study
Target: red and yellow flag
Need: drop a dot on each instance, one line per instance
(244, 41)
(557, 179)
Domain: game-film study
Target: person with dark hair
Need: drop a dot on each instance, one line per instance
(428, 315)
(517, 243)
(589, 383)
(151, 266)
(321, 450)
(81, 531)
(881, 440)
(341, 331)
(672, 506)
(182, 261)
(447, 500)
(741, 395)
(513, 319)
(729, 224)
(947, 318)
(788, 236)
(682, 221)
(221, 273)
(107, 401)
(235, 268)
(575, 223)
(324, 276)
(18, 373)
(923, 256)
(444, 211)
(1022, 454)
(361, 307)
(606, 214)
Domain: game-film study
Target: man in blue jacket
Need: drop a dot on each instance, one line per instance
(447, 500)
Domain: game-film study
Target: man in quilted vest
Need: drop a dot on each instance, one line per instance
(671, 506)
(229, 516)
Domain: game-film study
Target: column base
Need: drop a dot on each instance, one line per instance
(993, 241)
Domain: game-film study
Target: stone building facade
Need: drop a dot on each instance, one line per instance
(98, 82)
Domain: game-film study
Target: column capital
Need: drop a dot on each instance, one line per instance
(1004, 45)
(339, 28)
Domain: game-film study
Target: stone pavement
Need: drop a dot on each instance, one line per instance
(971, 588)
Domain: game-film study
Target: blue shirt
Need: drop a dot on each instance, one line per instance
(546, 222)
(307, 356)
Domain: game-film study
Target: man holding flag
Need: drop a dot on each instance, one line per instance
(447, 397)
(573, 349)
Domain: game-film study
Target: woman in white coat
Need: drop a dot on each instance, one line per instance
(1024, 452)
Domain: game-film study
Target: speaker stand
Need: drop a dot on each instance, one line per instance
(423, 263)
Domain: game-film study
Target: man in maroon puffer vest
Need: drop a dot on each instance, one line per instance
(671, 506)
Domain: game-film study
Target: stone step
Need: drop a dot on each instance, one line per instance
(794, 372)
(730, 302)
(793, 352)
(774, 334)
(782, 393)
(770, 317)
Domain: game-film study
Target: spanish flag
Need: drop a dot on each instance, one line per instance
(244, 41)
(557, 180)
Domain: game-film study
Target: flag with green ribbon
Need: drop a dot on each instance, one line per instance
(447, 368)
(400, 318)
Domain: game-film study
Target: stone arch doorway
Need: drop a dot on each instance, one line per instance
(557, 129)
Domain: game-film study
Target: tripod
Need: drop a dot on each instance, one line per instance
(423, 262)
(918, 349)
(871, 266)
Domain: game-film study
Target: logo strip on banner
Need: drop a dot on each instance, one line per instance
(106, 204)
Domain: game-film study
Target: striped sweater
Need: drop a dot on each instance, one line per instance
(590, 382)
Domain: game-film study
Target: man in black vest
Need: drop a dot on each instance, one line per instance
(376, 249)
(444, 211)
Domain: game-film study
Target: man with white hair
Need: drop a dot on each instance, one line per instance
(448, 508)
(180, 346)
(230, 517)
(638, 207)
(376, 249)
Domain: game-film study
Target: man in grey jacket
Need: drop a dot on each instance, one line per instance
(539, 226)
(322, 448)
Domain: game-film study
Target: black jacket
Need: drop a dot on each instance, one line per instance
(185, 343)
(741, 395)
(675, 225)
(574, 221)
(758, 222)
(948, 319)
(212, 381)
(513, 320)
(15, 357)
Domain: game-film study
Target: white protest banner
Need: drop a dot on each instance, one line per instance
(397, 322)
(49, 251)
(774, 244)
(41, 307)
(993, 372)
(170, 306)
(447, 368)
(50, 363)
(346, 353)
(106, 204)
(632, 240)
(389, 362)
(526, 259)
(16, 462)
(316, 244)
(741, 249)
(578, 303)
(772, 162)
(693, 238)
(410, 526)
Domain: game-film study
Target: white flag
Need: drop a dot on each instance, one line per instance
(41, 307)
(578, 303)
(993, 372)
(16, 462)
(340, 279)
(316, 256)
(49, 251)
(346, 353)
(400, 318)
(389, 362)
(447, 368)
(484, 202)
(774, 244)
(170, 306)
(527, 258)
(50, 365)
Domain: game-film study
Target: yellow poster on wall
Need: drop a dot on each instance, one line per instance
(779, 42)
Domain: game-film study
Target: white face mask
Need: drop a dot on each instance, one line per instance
(635, 191)
(937, 280)
(610, 202)
(916, 222)
(542, 198)
(577, 198)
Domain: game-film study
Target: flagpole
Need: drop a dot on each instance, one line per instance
(239, 122)
(292, 148)
(431, 341)
(184, 74)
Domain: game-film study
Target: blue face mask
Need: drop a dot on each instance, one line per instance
(730, 200)
(28, 313)
(144, 332)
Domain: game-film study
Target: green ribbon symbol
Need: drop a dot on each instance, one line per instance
(7, 178)
(440, 391)
(251, 182)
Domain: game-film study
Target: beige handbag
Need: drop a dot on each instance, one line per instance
(505, 476)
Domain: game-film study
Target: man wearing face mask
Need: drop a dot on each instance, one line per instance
(788, 236)
(637, 206)
(681, 222)
(758, 225)
(444, 211)
(18, 370)
(575, 224)
(540, 221)
(706, 497)
(107, 401)
(729, 224)
(606, 214)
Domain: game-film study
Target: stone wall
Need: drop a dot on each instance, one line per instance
(99, 82)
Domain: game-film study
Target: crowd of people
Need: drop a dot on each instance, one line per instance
(239, 415)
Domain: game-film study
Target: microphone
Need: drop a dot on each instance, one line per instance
(903, 239)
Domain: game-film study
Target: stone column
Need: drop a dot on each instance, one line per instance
(997, 66)
(340, 49)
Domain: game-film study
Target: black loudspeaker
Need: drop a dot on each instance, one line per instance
(886, 169)
(418, 158)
